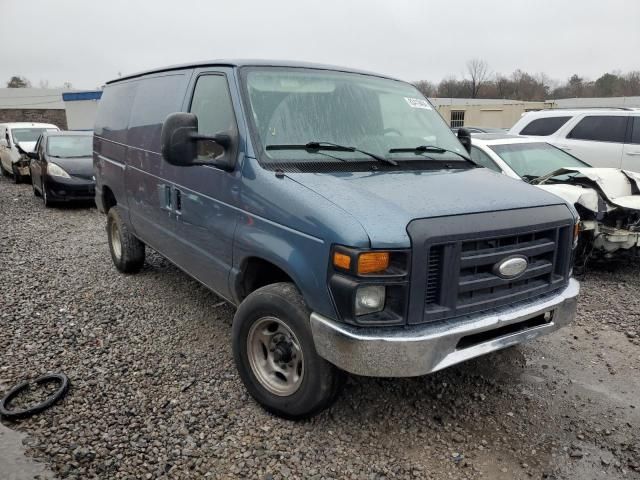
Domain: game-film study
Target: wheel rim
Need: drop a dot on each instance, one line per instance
(275, 356)
(115, 240)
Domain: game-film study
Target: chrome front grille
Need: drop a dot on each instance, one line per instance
(461, 277)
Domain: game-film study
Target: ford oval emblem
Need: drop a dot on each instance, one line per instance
(511, 267)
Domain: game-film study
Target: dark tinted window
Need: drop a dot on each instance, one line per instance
(635, 135)
(483, 159)
(600, 128)
(544, 126)
(212, 104)
(114, 108)
(156, 98)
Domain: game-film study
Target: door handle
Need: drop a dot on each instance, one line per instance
(633, 153)
(178, 201)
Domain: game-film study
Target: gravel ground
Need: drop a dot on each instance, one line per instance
(155, 393)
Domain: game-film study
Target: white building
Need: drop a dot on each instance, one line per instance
(69, 110)
(81, 108)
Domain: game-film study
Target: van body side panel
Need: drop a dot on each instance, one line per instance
(149, 179)
(275, 225)
(110, 144)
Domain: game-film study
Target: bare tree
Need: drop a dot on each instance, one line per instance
(478, 70)
(426, 88)
(18, 81)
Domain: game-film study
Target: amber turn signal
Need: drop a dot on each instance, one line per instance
(373, 262)
(342, 261)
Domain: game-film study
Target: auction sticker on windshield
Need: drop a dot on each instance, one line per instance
(418, 103)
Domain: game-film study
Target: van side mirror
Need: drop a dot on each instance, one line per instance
(465, 138)
(181, 142)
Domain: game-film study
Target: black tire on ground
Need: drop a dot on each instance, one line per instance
(321, 382)
(13, 414)
(127, 252)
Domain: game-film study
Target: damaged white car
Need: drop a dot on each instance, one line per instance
(607, 199)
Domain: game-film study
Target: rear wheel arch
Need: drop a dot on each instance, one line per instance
(108, 199)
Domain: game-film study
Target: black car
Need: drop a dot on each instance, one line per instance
(61, 167)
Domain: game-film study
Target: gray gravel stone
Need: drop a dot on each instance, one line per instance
(155, 393)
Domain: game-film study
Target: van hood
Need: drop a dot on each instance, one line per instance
(385, 202)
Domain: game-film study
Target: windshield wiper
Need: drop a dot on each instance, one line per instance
(334, 147)
(429, 149)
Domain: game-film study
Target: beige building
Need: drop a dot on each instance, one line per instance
(481, 112)
(496, 113)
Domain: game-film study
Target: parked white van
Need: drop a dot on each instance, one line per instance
(601, 137)
(15, 137)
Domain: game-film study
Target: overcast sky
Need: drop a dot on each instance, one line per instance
(87, 42)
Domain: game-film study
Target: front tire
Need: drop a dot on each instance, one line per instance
(45, 197)
(36, 193)
(275, 354)
(127, 252)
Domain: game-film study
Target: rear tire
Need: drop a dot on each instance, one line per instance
(276, 357)
(127, 252)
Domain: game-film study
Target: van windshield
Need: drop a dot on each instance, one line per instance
(293, 107)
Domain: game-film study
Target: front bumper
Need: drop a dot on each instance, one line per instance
(420, 349)
(68, 189)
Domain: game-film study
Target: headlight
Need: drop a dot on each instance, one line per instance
(576, 233)
(56, 171)
(369, 299)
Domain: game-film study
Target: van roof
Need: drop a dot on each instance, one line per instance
(250, 63)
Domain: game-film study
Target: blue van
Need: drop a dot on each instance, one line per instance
(338, 212)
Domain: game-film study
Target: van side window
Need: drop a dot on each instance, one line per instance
(483, 159)
(544, 126)
(156, 98)
(112, 119)
(600, 128)
(212, 105)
